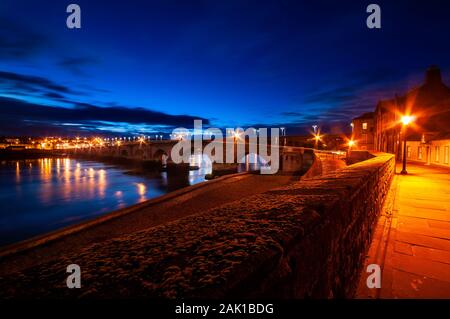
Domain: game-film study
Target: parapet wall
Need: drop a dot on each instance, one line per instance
(356, 156)
(315, 169)
(308, 239)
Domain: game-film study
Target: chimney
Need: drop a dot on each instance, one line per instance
(433, 75)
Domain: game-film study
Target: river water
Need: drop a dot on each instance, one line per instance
(41, 195)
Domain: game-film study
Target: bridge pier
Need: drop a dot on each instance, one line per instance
(291, 161)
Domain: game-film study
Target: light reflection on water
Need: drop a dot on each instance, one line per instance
(38, 196)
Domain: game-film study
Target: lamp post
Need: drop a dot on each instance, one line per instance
(283, 135)
(350, 144)
(316, 141)
(406, 120)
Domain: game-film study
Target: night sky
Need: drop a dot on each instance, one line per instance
(142, 67)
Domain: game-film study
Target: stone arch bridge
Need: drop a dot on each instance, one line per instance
(291, 159)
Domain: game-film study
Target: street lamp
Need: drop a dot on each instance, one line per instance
(283, 134)
(406, 120)
(237, 136)
(317, 138)
(351, 142)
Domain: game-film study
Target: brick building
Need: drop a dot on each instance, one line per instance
(428, 137)
(363, 131)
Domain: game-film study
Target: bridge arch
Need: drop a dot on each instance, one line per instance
(252, 162)
(161, 156)
(139, 153)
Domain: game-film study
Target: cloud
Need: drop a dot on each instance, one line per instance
(337, 103)
(53, 95)
(20, 116)
(18, 42)
(332, 96)
(23, 118)
(32, 84)
(292, 114)
(341, 103)
(20, 85)
(84, 111)
(357, 83)
(76, 65)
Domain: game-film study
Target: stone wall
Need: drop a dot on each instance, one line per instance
(324, 163)
(356, 156)
(308, 239)
(315, 169)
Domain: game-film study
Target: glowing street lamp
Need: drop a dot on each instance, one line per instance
(317, 139)
(351, 143)
(406, 120)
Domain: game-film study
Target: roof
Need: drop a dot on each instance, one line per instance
(429, 136)
(368, 115)
(429, 102)
(441, 136)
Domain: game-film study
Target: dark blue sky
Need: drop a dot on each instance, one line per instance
(149, 66)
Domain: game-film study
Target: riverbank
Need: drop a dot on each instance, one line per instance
(12, 155)
(191, 200)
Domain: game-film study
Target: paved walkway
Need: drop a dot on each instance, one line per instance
(412, 239)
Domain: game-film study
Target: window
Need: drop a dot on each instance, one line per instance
(408, 151)
(446, 154)
(364, 126)
(419, 153)
(436, 150)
